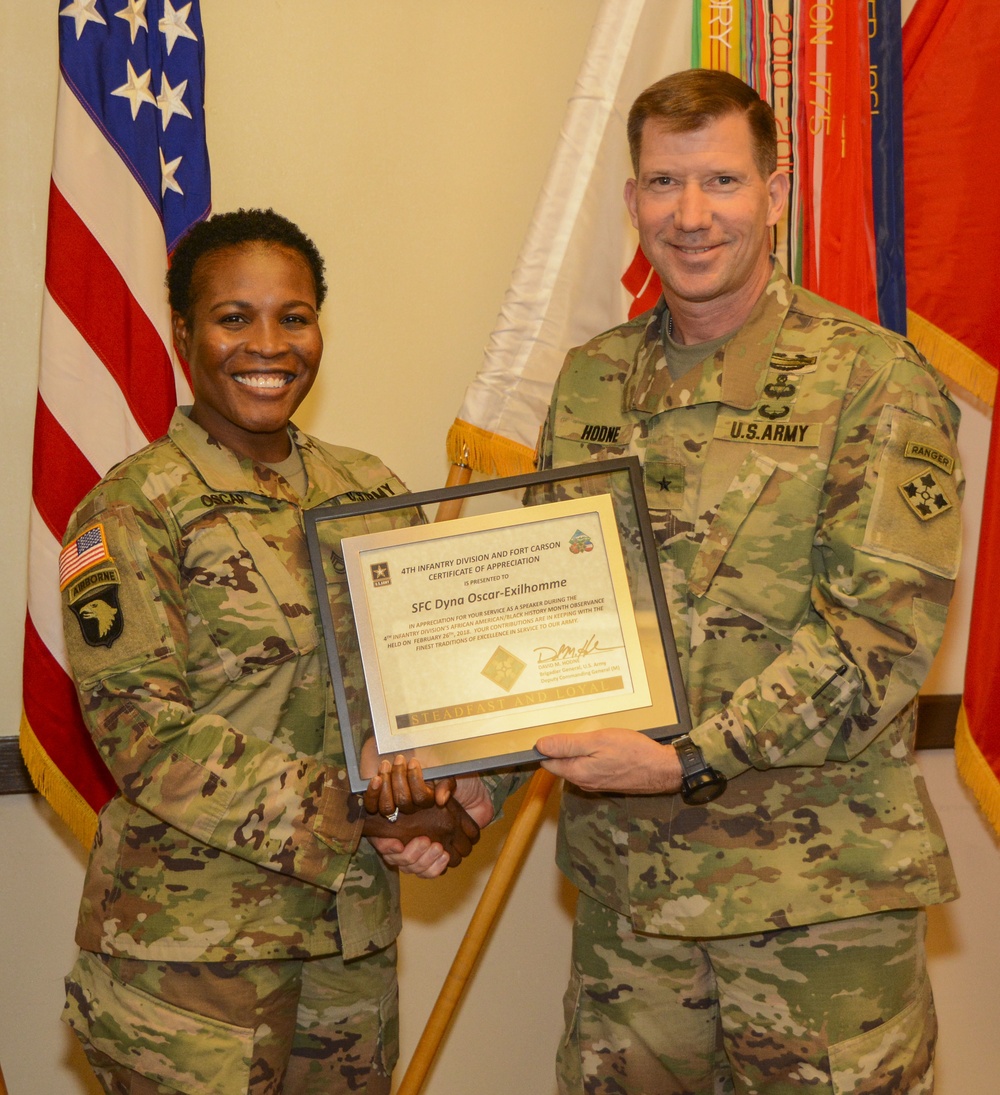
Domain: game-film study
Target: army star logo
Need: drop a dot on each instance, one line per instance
(503, 668)
(380, 574)
(924, 496)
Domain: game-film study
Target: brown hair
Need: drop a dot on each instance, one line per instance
(686, 101)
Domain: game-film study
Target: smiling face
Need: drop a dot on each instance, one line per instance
(704, 215)
(253, 343)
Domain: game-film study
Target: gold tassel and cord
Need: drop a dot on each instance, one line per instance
(977, 772)
(952, 359)
(55, 788)
(487, 453)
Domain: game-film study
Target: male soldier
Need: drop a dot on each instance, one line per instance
(750, 915)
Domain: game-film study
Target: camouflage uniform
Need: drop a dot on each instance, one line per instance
(193, 634)
(804, 488)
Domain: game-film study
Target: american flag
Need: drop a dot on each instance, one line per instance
(87, 550)
(130, 176)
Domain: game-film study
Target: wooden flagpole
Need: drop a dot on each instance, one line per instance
(490, 903)
(458, 475)
(494, 894)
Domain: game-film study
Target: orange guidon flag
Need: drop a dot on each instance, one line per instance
(952, 152)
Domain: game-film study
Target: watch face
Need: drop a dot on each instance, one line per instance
(705, 791)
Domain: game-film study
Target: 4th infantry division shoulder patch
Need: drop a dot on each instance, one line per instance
(924, 495)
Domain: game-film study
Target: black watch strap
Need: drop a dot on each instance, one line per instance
(700, 783)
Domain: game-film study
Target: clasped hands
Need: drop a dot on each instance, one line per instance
(438, 824)
(435, 824)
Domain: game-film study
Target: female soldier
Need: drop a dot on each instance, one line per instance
(236, 928)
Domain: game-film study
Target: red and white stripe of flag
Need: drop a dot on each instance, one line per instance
(108, 384)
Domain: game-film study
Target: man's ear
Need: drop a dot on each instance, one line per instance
(777, 191)
(630, 195)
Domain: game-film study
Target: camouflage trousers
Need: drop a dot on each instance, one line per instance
(287, 1027)
(829, 1008)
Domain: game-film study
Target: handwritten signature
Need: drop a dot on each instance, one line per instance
(566, 653)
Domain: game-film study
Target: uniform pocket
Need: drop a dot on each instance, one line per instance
(174, 1047)
(247, 598)
(754, 557)
(568, 1055)
(897, 1056)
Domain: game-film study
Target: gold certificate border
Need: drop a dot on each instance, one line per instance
(463, 709)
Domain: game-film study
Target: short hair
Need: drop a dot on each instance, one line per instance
(686, 101)
(234, 229)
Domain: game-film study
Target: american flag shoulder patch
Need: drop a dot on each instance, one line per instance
(89, 549)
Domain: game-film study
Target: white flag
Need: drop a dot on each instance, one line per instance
(566, 285)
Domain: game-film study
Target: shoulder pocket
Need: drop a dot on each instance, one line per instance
(113, 615)
(916, 484)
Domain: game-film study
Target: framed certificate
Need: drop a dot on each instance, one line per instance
(462, 642)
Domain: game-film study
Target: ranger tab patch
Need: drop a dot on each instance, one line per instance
(918, 451)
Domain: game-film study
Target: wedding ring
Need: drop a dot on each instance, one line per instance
(393, 815)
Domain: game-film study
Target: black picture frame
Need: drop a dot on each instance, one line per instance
(329, 525)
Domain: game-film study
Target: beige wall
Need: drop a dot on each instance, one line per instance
(410, 139)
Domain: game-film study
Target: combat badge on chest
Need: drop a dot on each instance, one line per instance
(773, 421)
(89, 579)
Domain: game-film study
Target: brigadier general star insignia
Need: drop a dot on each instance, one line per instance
(924, 496)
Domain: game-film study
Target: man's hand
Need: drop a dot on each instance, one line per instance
(623, 761)
(471, 792)
(425, 843)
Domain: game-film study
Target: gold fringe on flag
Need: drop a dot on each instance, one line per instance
(976, 771)
(61, 795)
(953, 360)
(487, 453)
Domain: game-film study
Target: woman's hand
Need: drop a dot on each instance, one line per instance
(426, 842)
(398, 787)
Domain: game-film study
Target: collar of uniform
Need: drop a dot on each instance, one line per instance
(325, 481)
(648, 373)
(745, 357)
(221, 469)
(219, 466)
(732, 375)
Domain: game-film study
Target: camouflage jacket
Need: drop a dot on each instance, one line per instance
(193, 634)
(804, 487)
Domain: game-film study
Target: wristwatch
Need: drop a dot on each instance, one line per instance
(700, 783)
